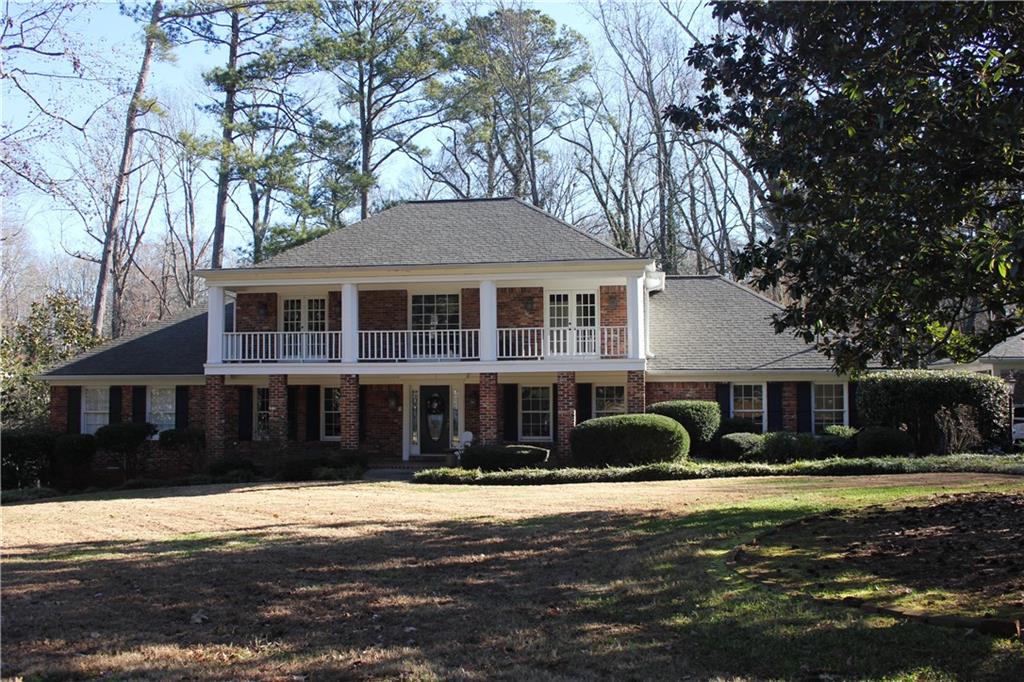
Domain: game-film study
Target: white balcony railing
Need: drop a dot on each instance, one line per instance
(529, 343)
(419, 345)
(282, 346)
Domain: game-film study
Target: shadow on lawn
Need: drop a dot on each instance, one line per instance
(572, 595)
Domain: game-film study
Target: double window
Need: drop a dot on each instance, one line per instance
(95, 408)
(609, 400)
(748, 403)
(304, 315)
(829, 405)
(535, 413)
(160, 407)
(331, 413)
(261, 413)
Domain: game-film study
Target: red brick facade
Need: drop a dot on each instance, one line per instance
(470, 309)
(350, 416)
(277, 393)
(334, 311)
(520, 307)
(215, 417)
(383, 421)
(59, 408)
(636, 400)
(256, 312)
(789, 406)
(489, 408)
(384, 310)
(565, 412)
(659, 391)
(613, 306)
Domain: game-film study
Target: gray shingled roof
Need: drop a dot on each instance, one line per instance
(710, 323)
(1010, 349)
(450, 232)
(175, 346)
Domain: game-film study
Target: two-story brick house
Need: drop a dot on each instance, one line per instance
(398, 333)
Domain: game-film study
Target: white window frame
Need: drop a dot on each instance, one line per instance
(149, 407)
(323, 413)
(258, 435)
(83, 411)
(814, 402)
(412, 294)
(764, 401)
(551, 416)
(304, 310)
(625, 401)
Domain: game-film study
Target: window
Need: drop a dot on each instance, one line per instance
(609, 400)
(435, 311)
(95, 408)
(748, 403)
(160, 407)
(535, 412)
(304, 315)
(261, 414)
(332, 413)
(829, 405)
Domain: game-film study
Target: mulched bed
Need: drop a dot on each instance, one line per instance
(959, 554)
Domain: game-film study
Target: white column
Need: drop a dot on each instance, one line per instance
(488, 321)
(215, 326)
(349, 323)
(635, 294)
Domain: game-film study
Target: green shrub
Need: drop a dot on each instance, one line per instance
(629, 439)
(883, 441)
(337, 473)
(785, 446)
(231, 463)
(238, 476)
(126, 439)
(840, 431)
(27, 495)
(74, 449)
(303, 467)
(188, 438)
(913, 398)
(503, 457)
(700, 418)
(737, 425)
(740, 447)
(25, 456)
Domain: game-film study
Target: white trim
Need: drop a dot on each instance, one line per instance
(593, 397)
(82, 410)
(323, 414)
(149, 407)
(304, 310)
(742, 376)
(560, 364)
(846, 401)
(551, 413)
(764, 401)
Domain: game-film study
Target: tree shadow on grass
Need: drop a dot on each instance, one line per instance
(581, 595)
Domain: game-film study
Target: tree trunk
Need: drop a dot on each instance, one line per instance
(124, 170)
(227, 140)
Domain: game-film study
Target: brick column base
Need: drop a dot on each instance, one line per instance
(215, 412)
(636, 391)
(565, 405)
(488, 409)
(277, 392)
(349, 411)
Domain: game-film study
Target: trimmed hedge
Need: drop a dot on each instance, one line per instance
(913, 397)
(876, 441)
(124, 437)
(190, 438)
(739, 447)
(737, 425)
(629, 439)
(503, 457)
(222, 466)
(700, 418)
(74, 449)
(311, 467)
(786, 446)
(670, 471)
(25, 456)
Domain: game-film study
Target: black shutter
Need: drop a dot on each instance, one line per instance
(74, 409)
(139, 404)
(554, 413)
(510, 411)
(584, 402)
(362, 413)
(803, 406)
(114, 405)
(292, 410)
(722, 395)
(775, 422)
(180, 407)
(312, 413)
(245, 413)
(851, 409)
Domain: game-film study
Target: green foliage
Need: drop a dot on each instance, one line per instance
(891, 223)
(786, 446)
(230, 463)
(501, 457)
(840, 431)
(629, 439)
(304, 467)
(838, 441)
(11, 496)
(884, 441)
(700, 418)
(188, 438)
(25, 456)
(73, 450)
(913, 398)
(56, 330)
(740, 446)
(688, 470)
(124, 437)
(737, 425)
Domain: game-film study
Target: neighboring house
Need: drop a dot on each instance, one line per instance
(398, 333)
(1005, 360)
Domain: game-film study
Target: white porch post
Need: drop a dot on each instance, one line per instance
(215, 326)
(635, 294)
(349, 323)
(488, 321)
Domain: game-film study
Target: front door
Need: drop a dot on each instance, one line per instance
(572, 323)
(434, 422)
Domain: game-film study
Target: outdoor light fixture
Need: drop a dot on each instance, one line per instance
(263, 309)
(528, 305)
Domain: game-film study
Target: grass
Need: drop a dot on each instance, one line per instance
(388, 580)
(681, 471)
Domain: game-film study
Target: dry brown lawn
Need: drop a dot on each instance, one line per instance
(394, 580)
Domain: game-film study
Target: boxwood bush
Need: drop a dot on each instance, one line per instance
(25, 455)
(700, 418)
(883, 441)
(737, 425)
(503, 457)
(786, 446)
(189, 438)
(913, 397)
(740, 447)
(629, 439)
(307, 467)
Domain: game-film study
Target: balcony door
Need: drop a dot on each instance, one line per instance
(304, 321)
(435, 321)
(572, 323)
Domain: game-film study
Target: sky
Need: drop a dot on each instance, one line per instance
(116, 41)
